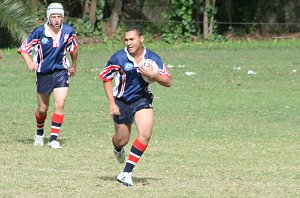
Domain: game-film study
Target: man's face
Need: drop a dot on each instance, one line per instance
(133, 42)
(55, 20)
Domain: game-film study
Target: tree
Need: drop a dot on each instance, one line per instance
(16, 19)
(180, 25)
(208, 18)
(90, 8)
(112, 23)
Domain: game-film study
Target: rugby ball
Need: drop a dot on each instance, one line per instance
(155, 68)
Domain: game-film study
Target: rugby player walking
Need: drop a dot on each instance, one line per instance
(50, 42)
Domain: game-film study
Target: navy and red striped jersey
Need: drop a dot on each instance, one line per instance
(50, 54)
(129, 84)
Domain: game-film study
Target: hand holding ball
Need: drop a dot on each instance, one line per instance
(155, 69)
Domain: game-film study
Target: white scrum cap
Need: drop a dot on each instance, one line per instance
(55, 8)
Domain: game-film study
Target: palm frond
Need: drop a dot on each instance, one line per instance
(16, 18)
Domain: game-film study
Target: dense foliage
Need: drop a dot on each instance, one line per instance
(167, 20)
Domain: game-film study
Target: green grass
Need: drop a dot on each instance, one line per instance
(218, 133)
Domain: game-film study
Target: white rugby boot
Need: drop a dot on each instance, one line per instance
(125, 178)
(54, 144)
(39, 140)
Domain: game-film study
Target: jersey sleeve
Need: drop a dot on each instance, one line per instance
(110, 70)
(164, 71)
(71, 42)
(162, 67)
(30, 42)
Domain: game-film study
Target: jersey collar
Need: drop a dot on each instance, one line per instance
(47, 32)
(132, 59)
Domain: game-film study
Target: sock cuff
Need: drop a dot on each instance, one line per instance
(57, 118)
(40, 118)
(137, 144)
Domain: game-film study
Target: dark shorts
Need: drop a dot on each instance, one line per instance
(45, 83)
(127, 110)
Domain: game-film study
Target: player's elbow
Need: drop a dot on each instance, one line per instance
(167, 82)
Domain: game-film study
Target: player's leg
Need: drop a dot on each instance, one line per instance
(41, 115)
(121, 139)
(143, 118)
(122, 135)
(41, 111)
(122, 124)
(60, 92)
(144, 124)
(44, 89)
(60, 96)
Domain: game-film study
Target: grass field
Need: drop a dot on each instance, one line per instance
(219, 133)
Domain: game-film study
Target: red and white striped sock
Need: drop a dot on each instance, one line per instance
(136, 153)
(57, 121)
(40, 121)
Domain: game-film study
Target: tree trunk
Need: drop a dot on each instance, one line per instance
(92, 14)
(211, 24)
(205, 21)
(86, 8)
(112, 23)
(208, 21)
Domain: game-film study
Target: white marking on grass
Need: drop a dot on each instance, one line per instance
(250, 72)
(188, 73)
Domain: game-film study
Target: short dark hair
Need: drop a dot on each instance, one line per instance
(136, 28)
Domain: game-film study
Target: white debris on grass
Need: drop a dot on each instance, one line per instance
(94, 69)
(294, 70)
(188, 73)
(169, 66)
(181, 66)
(237, 68)
(251, 72)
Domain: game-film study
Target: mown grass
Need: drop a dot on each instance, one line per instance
(219, 133)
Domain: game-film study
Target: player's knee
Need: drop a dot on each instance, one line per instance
(42, 109)
(144, 137)
(124, 141)
(59, 106)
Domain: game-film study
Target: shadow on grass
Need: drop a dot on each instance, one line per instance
(26, 141)
(142, 180)
(46, 140)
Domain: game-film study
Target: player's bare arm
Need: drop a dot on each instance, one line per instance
(74, 56)
(31, 65)
(113, 108)
(165, 81)
(161, 79)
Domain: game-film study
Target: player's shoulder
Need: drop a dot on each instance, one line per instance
(149, 52)
(38, 30)
(68, 27)
(119, 54)
(152, 55)
(65, 25)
